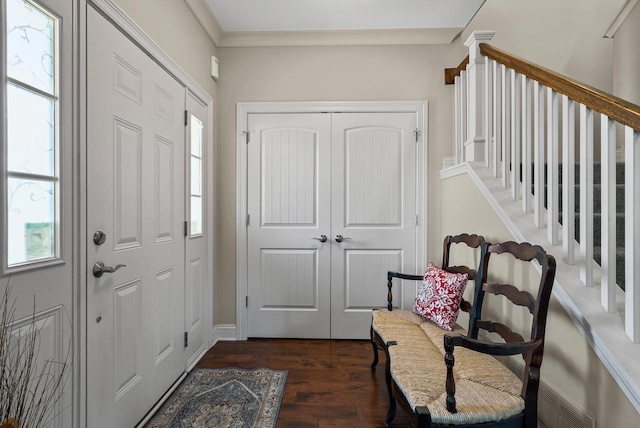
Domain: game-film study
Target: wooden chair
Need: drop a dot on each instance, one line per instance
(531, 349)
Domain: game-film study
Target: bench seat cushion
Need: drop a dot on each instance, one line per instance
(486, 390)
(396, 325)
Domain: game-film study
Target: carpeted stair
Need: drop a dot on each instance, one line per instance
(597, 209)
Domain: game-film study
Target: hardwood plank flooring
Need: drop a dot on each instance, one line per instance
(330, 383)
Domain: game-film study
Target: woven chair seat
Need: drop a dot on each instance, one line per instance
(486, 389)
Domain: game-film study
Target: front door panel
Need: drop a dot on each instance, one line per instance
(374, 210)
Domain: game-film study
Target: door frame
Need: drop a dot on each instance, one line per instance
(243, 109)
(117, 16)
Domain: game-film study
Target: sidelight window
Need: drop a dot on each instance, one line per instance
(31, 141)
(196, 176)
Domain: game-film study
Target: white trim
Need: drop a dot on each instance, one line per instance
(420, 108)
(223, 333)
(79, 164)
(603, 331)
(421, 36)
(207, 19)
(624, 13)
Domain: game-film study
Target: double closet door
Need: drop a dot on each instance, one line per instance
(332, 208)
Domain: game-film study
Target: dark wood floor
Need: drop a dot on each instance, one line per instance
(329, 384)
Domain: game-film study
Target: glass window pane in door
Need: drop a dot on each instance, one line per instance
(196, 215)
(31, 132)
(32, 216)
(196, 177)
(196, 137)
(30, 45)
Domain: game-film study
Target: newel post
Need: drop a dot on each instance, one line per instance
(474, 146)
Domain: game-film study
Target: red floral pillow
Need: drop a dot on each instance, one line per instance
(439, 297)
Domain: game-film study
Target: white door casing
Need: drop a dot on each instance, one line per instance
(380, 241)
(374, 210)
(135, 195)
(289, 205)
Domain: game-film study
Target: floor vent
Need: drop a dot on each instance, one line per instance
(556, 412)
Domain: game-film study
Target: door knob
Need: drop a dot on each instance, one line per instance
(99, 269)
(340, 238)
(99, 237)
(322, 238)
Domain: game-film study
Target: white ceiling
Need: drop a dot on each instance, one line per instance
(339, 15)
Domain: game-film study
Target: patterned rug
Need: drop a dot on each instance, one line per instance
(230, 397)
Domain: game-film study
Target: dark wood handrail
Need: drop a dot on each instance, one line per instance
(616, 108)
(451, 73)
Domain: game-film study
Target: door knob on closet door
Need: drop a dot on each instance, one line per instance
(322, 238)
(340, 238)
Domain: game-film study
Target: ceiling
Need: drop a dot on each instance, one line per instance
(304, 22)
(303, 15)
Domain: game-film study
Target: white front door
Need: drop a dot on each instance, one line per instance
(348, 176)
(135, 200)
(289, 205)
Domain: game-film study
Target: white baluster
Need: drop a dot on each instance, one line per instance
(586, 195)
(497, 119)
(526, 144)
(608, 212)
(464, 110)
(632, 234)
(488, 113)
(458, 117)
(538, 158)
(553, 184)
(568, 179)
(516, 105)
(505, 131)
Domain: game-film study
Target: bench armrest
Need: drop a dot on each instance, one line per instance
(390, 276)
(456, 339)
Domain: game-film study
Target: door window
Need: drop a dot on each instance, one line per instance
(31, 215)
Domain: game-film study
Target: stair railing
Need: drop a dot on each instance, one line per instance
(520, 119)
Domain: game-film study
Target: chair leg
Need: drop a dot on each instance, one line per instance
(375, 351)
(423, 417)
(391, 414)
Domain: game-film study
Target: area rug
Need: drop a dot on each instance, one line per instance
(224, 398)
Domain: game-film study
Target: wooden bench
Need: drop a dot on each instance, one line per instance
(468, 387)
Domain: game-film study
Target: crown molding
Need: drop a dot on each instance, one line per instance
(234, 39)
(338, 37)
(620, 18)
(207, 19)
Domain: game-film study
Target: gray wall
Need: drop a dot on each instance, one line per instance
(626, 56)
(327, 73)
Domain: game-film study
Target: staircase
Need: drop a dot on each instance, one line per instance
(510, 112)
(597, 207)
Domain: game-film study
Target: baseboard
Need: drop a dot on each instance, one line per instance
(223, 333)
